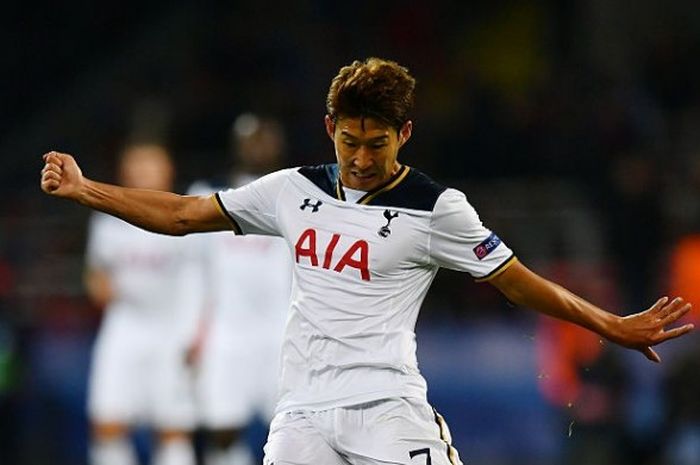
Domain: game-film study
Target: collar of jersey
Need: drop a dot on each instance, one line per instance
(392, 182)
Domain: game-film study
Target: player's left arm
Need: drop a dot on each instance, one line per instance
(639, 331)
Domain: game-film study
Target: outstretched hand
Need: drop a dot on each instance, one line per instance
(61, 175)
(643, 330)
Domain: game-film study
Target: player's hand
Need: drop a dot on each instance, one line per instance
(193, 354)
(643, 330)
(61, 175)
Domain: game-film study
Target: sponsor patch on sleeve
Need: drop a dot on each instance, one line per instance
(487, 246)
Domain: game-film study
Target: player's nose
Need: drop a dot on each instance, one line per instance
(363, 158)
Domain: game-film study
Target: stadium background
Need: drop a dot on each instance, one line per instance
(572, 126)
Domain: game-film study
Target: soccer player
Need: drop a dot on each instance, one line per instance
(367, 235)
(138, 373)
(245, 295)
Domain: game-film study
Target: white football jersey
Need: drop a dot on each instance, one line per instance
(143, 267)
(247, 281)
(361, 272)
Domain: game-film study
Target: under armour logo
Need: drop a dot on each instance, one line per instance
(314, 206)
(384, 231)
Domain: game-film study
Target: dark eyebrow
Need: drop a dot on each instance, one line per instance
(374, 139)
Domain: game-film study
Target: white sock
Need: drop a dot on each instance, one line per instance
(237, 454)
(175, 452)
(118, 451)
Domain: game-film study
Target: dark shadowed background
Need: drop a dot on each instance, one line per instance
(571, 126)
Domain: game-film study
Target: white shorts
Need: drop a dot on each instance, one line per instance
(237, 378)
(137, 376)
(391, 431)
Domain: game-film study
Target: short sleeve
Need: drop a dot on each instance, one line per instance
(459, 241)
(252, 208)
(98, 253)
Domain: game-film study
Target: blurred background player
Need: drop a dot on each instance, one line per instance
(246, 296)
(139, 374)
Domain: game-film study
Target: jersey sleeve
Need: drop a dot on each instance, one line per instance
(252, 209)
(459, 241)
(98, 254)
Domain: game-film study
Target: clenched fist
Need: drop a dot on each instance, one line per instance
(61, 175)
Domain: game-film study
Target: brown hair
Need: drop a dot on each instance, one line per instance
(374, 88)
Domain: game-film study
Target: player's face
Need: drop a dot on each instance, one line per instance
(146, 167)
(366, 150)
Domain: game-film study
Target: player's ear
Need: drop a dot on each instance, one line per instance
(330, 127)
(405, 132)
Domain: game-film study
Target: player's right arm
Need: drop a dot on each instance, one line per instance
(160, 212)
(98, 286)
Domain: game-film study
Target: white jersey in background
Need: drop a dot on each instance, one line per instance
(245, 292)
(361, 271)
(138, 371)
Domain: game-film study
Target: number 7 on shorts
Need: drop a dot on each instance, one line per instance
(425, 451)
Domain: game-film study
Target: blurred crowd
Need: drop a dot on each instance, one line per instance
(571, 126)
